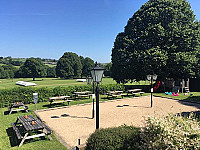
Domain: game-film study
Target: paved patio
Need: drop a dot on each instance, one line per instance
(74, 122)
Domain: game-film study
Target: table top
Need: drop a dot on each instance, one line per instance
(27, 123)
(17, 104)
(115, 92)
(58, 97)
(134, 90)
(84, 92)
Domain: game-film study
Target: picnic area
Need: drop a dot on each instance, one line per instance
(74, 122)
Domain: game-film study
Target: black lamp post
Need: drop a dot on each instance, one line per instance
(97, 74)
(151, 78)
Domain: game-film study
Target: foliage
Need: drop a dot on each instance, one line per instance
(33, 67)
(25, 94)
(87, 64)
(119, 138)
(161, 38)
(51, 72)
(69, 66)
(172, 132)
(107, 67)
(7, 71)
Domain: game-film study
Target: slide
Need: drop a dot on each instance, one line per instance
(156, 86)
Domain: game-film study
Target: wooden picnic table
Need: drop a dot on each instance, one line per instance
(17, 106)
(135, 91)
(61, 98)
(82, 94)
(30, 127)
(114, 94)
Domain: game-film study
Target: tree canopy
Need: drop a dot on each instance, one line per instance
(69, 66)
(87, 64)
(33, 68)
(161, 38)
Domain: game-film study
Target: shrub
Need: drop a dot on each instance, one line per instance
(172, 132)
(25, 94)
(119, 138)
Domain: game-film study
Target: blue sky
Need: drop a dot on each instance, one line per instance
(48, 28)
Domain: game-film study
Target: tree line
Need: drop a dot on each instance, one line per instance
(70, 65)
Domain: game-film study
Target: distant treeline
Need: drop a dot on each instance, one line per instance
(70, 65)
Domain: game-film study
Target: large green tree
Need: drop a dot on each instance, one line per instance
(87, 64)
(33, 68)
(161, 38)
(69, 66)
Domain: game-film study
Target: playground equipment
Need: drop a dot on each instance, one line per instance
(156, 86)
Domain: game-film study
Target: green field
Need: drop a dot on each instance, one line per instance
(54, 82)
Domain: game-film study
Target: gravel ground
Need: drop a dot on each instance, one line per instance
(75, 122)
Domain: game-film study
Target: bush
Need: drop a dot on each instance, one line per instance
(120, 138)
(25, 94)
(172, 132)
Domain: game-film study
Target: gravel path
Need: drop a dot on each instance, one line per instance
(74, 122)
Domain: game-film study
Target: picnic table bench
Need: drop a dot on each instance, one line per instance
(27, 127)
(114, 94)
(134, 92)
(59, 99)
(84, 94)
(17, 106)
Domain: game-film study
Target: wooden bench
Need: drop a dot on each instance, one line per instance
(83, 96)
(63, 101)
(17, 131)
(22, 108)
(135, 93)
(25, 130)
(59, 99)
(114, 94)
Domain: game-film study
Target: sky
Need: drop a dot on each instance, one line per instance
(49, 28)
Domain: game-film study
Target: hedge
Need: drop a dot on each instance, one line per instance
(118, 138)
(25, 94)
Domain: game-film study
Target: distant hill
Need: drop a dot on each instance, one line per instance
(17, 62)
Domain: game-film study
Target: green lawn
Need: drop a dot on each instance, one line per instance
(8, 139)
(54, 82)
(194, 97)
(48, 82)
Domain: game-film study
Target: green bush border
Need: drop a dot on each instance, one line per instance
(25, 94)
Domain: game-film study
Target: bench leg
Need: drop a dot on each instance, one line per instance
(10, 111)
(49, 137)
(24, 138)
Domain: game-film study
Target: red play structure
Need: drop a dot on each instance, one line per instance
(156, 86)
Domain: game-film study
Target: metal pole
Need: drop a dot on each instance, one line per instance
(97, 106)
(93, 102)
(35, 107)
(151, 91)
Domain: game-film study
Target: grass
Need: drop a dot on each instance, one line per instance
(194, 97)
(54, 82)
(7, 135)
(8, 139)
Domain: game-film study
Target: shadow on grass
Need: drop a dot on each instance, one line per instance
(15, 142)
(12, 137)
(6, 112)
(191, 101)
